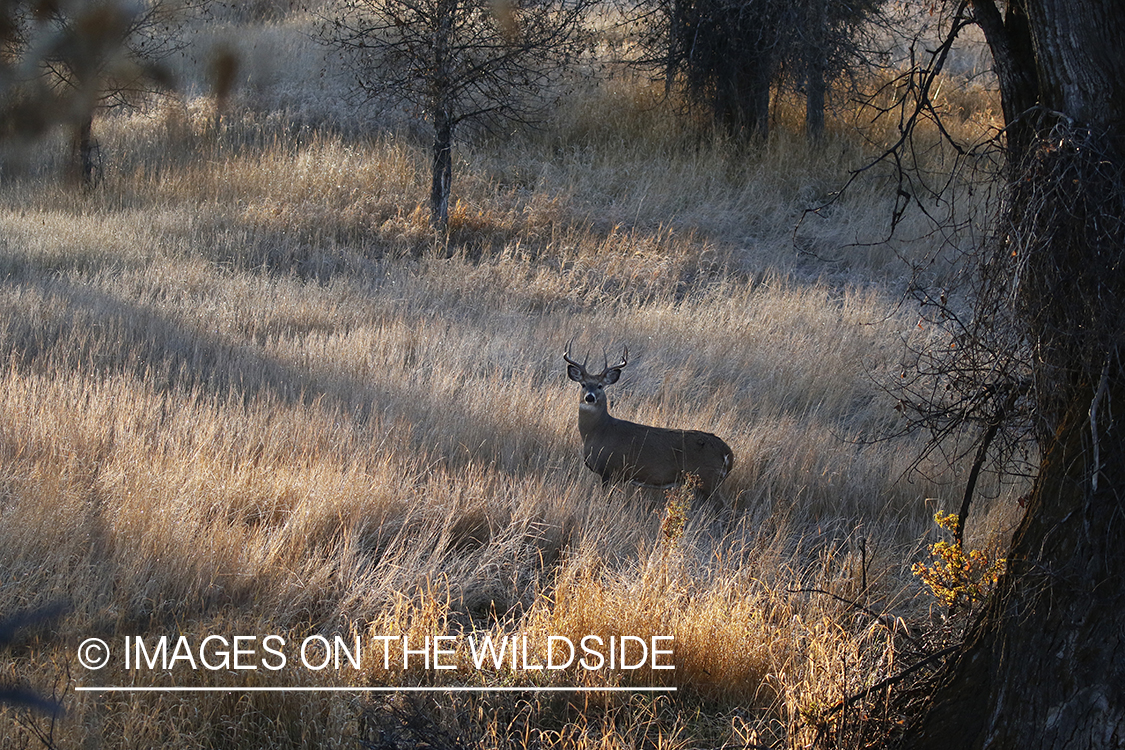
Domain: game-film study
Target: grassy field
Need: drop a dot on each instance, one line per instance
(246, 390)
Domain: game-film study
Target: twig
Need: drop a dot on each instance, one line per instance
(982, 453)
(893, 679)
(1094, 405)
(855, 605)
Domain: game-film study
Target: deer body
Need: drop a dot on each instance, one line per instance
(616, 449)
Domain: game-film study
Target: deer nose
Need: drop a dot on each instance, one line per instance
(590, 398)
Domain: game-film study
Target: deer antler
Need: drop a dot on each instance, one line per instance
(624, 361)
(569, 361)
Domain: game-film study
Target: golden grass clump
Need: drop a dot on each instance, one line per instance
(723, 648)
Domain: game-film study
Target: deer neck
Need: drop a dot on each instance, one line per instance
(593, 418)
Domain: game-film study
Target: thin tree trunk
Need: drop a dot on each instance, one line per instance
(442, 172)
(84, 151)
(674, 59)
(815, 57)
(442, 106)
(815, 92)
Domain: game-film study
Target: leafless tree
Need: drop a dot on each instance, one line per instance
(63, 61)
(489, 62)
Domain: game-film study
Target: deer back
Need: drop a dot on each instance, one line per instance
(656, 456)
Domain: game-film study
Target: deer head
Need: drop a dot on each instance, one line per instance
(593, 386)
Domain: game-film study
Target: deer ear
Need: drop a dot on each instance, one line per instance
(574, 373)
(610, 376)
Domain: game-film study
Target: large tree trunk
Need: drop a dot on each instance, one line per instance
(743, 98)
(727, 53)
(1045, 666)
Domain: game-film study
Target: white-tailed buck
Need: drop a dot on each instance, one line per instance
(615, 449)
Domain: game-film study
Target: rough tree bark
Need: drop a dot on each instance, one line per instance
(1045, 665)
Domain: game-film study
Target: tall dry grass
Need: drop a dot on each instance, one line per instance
(246, 390)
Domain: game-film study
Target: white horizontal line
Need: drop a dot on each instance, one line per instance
(417, 689)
